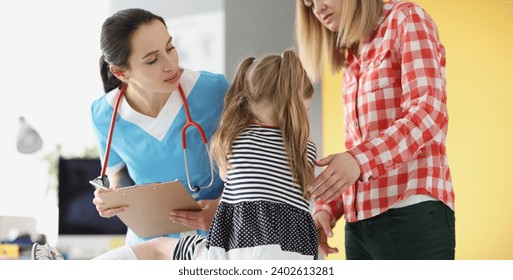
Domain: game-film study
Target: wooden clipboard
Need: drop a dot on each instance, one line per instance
(149, 206)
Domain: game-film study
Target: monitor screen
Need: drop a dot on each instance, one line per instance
(77, 213)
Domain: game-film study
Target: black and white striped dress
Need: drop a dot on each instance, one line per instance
(262, 213)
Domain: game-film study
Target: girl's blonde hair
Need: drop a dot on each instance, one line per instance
(316, 42)
(281, 82)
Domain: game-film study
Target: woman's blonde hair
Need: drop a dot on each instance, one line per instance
(316, 42)
(281, 82)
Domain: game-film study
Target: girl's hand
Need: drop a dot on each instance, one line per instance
(341, 172)
(196, 219)
(324, 230)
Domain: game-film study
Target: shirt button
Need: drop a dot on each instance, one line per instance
(356, 123)
(422, 153)
(369, 178)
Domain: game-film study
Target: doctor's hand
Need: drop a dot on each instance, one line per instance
(196, 219)
(103, 210)
(341, 172)
(324, 230)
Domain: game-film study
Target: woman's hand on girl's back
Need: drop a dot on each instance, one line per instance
(341, 172)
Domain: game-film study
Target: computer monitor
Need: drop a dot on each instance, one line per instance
(83, 234)
(77, 213)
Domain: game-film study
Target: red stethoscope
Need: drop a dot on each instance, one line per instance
(102, 181)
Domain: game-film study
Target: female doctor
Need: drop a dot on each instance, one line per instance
(140, 62)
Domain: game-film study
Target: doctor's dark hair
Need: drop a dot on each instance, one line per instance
(274, 80)
(116, 33)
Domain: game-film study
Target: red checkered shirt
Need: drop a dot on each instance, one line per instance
(396, 118)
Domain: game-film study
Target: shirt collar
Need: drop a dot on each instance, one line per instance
(387, 8)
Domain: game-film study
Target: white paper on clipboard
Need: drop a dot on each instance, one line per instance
(149, 206)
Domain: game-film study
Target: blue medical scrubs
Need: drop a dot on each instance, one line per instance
(151, 148)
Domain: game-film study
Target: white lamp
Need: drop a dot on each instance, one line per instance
(28, 140)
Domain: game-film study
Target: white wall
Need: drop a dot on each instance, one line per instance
(48, 74)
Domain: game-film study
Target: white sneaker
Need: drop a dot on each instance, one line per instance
(45, 252)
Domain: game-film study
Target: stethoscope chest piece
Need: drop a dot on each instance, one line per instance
(101, 181)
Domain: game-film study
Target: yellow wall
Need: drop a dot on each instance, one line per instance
(478, 36)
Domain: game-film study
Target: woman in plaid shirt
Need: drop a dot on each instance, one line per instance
(393, 183)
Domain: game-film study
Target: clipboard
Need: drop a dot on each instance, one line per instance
(149, 206)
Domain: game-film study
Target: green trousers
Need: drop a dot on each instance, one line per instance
(424, 231)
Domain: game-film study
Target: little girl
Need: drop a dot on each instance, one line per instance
(264, 155)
